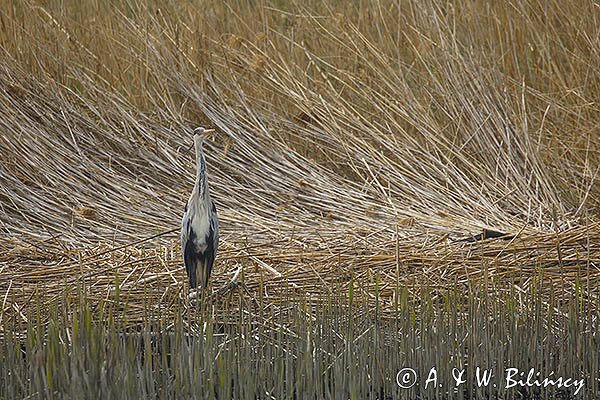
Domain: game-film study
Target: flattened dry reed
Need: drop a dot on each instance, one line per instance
(378, 268)
(353, 147)
(358, 144)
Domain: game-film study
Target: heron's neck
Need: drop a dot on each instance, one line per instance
(201, 175)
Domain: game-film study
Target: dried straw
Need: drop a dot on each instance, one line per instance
(346, 152)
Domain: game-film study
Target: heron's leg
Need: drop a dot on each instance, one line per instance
(193, 294)
(198, 292)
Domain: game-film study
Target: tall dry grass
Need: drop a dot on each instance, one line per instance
(355, 140)
(357, 143)
(458, 117)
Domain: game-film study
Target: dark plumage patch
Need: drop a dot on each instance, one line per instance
(190, 258)
(198, 264)
(209, 254)
(488, 234)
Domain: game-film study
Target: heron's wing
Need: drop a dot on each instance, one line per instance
(215, 226)
(188, 247)
(190, 258)
(185, 226)
(212, 242)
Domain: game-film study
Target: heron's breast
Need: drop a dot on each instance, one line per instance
(201, 226)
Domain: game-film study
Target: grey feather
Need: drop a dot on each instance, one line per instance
(199, 225)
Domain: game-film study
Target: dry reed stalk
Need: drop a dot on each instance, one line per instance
(349, 146)
(154, 277)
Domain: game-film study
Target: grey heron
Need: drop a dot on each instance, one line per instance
(200, 224)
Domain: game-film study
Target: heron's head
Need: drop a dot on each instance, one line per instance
(202, 133)
(199, 135)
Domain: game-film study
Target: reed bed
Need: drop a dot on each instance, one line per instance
(254, 350)
(358, 146)
(558, 266)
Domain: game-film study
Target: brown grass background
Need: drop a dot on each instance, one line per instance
(357, 142)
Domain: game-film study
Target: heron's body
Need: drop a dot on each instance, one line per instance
(199, 225)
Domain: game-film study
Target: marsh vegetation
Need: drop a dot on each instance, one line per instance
(358, 143)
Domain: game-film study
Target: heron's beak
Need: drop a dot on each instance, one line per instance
(208, 132)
